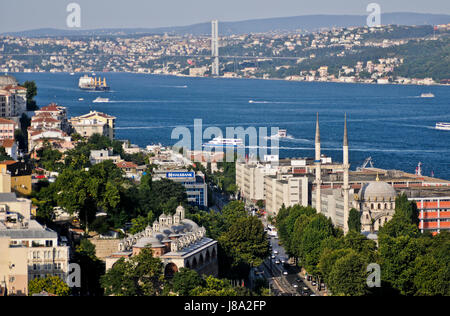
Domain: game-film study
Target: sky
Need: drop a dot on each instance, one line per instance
(20, 15)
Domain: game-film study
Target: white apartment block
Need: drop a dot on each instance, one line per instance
(287, 190)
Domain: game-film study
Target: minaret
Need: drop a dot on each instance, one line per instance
(346, 166)
(318, 168)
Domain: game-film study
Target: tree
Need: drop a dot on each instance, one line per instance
(431, 278)
(348, 276)
(214, 287)
(260, 204)
(246, 242)
(317, 230)
(92, 268)
(31, 93)
(141, 275)
(138, 224)
(354, 220)
(396, 258)
(327, 260)
(50, 284)
(185, 280)
(3, 155)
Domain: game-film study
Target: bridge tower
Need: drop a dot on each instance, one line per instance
(215, 47)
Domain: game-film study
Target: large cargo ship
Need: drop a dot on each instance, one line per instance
(93, 84)
(443, 126)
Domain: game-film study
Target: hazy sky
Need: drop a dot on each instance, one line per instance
(18, 15)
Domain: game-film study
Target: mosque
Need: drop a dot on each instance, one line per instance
(375, 200)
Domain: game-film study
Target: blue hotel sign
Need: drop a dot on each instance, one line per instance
(176, 175)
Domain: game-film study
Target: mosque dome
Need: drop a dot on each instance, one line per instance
(378, 191)
(144, 242)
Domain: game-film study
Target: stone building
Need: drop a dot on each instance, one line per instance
(177, 241)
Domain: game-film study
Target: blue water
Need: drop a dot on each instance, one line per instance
(387, 122)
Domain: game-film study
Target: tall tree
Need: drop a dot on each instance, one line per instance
(141, 275)
(354, 220)
(348, 276)
(50, 284)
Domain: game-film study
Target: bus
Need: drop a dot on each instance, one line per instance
(271, 231)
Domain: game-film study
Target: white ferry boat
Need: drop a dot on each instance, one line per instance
(101, 100)
(224, 142)
(427, 95)
(282, 133)
(443, 126)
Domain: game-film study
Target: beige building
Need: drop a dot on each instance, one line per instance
(28, 250)
(94, 123)
(250, 179)
(287, 190)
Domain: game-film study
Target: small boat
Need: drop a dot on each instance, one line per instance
(443, 126)
(101, 100)
(72, 74)
(80, 99)
(251, 101)
(427, 95)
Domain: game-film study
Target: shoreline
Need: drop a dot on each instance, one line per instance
(239, 78)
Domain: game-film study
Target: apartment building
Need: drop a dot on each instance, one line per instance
(7, 127)
(94, 123)
(287, 190)
(28, 250)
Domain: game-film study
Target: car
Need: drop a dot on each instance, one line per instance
(298, 280)
(275, 252)
(273, 256)
(285, 273)
(277, 261)
(313, 283)
(294, 286)
(305, 288)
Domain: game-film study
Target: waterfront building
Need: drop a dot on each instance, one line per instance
(57, 112)
(94, 123)
(177, 241)
(13, 98)
(57, 138)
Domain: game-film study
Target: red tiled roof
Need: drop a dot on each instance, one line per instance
(44, 119)
(126, 164)
(7, 143)
(5, 121)
(8, 162)
(50, 108)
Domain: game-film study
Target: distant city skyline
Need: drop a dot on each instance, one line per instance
(26, 15)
